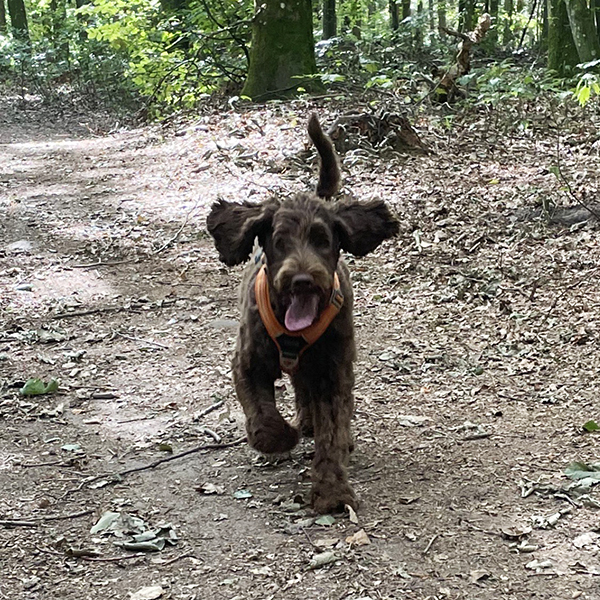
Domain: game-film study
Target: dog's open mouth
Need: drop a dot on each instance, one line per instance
(302, 311)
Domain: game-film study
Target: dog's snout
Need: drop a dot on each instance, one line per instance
(302, 282)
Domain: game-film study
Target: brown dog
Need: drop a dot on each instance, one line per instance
(296, 305)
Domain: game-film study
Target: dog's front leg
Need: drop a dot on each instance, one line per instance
(331, 405)
(268, 432)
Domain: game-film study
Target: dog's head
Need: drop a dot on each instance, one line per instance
(302, 237)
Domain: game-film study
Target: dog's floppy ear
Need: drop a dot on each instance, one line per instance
(363, 226)
(235, 226)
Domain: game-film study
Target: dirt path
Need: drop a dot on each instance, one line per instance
(478, 332)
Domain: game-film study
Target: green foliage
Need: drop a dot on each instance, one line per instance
(131, 53)
(588, 84)
(505, 82)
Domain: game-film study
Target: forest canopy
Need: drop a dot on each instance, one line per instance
(163, 56)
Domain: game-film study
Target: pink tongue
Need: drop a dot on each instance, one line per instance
(302, 311)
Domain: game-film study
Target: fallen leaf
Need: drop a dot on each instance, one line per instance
(151, 592)
(210, 488)
(242, 494)
(37, 387)
(352, 514)
(360, 538)
(326, 520)
(322, 559)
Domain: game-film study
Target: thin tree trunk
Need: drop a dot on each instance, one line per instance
(329, 19)
(594, 8)
(544, 32)
(442, 22)
(18, 19)
(282, 51)
(405, 9)
(562, 52)
(3, 28)
(493, 33)
(431, 10)
(507, 34)
(583, 30)
(419, 26)
(394, 15)
(466, 11)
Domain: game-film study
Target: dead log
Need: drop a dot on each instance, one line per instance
(447, 89)
(377, 131)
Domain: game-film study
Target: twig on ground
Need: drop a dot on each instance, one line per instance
(213, 434)
(103, 264)
(160, 461)
(212, 407)
(37, 520)
(563, 292)
(116, 477)
(137, 339)
(567, 184)
(91, 311)
(176, 558)
(185, 222)
(430, 543)
(110, 558)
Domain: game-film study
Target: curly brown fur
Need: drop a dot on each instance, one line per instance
(301, 238)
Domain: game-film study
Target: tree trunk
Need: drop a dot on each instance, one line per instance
(507, 35)
(442, 22)
(466, 12)
(493, 34)
(405, 9)
(3, 28)
(595, 8)
(394, 15)
(282, 51)
(583, 30)
(18, 19)
(544, 34)
(431, 11)
(329, 19)
(419, 26)
(562, 52)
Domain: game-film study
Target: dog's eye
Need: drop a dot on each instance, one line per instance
(279, 244)
(319, 238)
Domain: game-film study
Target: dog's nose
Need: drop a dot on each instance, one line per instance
(302, 282)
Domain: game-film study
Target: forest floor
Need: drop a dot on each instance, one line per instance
(477, 327)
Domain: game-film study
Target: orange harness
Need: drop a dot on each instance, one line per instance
(291, 344)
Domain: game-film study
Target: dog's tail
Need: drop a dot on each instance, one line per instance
(329, 174)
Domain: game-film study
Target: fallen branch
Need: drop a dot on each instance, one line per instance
(160, 461)
(212, 407)
(37, 520)
(567, 184)
(137, 339)
(447, 88)
(117, 477)
(174, 238)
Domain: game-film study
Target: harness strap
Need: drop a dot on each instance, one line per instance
(291, 344)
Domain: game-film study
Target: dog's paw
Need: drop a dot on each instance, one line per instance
(272, 435)
(327, 499)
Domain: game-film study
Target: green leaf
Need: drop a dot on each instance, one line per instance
(37, 387)
(591, 426)
(327, 520)
(242, 494)
(580, 470)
